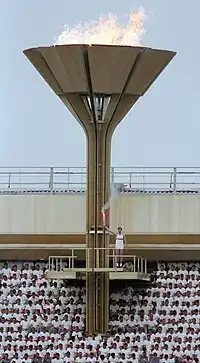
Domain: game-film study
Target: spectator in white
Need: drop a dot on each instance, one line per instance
(6, 270)
(78, 323)
(102, 359)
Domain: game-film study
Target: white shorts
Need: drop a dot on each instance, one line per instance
(119, 245)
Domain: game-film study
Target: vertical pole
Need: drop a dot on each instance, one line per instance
(97, 257)
(72, 258)
(174, 179)
(51, 180)
(145, 266)
(130, 180)
(142, 262)
(68, 179)
(9, 180)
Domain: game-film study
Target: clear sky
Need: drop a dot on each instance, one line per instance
(163, 128)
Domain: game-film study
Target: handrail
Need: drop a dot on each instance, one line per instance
(74, 179)
(59, 263)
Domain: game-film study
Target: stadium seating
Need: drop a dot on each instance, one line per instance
(43, 321)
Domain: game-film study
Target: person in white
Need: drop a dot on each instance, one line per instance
(120, 245)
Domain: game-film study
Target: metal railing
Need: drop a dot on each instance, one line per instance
(61, 263)
(52, 180)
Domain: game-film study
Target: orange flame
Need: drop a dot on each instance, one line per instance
(107, 30)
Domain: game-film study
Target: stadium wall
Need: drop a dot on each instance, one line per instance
(65, 214)
(42, 214)
(157, 214)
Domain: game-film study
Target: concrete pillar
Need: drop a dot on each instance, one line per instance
(98, 191)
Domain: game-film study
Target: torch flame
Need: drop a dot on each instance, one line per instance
(107, 30)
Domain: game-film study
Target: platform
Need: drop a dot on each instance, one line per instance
(69, 267)
(80, 274)
(125, 275)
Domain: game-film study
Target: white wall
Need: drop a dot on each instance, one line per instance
(65, 214)
(42, 214)
(156, 214)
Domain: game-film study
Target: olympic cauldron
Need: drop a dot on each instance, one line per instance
(99, 84)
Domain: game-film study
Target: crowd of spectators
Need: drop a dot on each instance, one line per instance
(42, 321)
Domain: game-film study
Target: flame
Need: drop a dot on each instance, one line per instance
(107, 30)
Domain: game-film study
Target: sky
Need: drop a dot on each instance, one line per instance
(162, 129)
